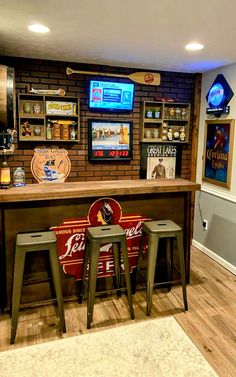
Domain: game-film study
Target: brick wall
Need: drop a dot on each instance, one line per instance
(42, 74)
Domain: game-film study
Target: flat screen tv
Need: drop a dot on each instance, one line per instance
(109, 140)
(111, 96)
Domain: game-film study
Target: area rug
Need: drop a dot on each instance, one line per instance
(152, 348)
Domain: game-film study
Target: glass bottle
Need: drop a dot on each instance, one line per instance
(171, 112)
(72, 131)
(177, 113)
(19, 177)
(156, 113)
(49, 130)
(148, 113)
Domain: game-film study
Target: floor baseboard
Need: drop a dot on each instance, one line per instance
(214, 256)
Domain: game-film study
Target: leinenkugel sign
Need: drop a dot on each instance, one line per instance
(71, 237)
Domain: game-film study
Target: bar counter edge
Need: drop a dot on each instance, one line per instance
(70, 190)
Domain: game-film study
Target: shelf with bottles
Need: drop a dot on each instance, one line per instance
(61, 130)
(48, 118)
(161, 118)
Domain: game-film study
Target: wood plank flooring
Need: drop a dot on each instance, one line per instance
(210, 321)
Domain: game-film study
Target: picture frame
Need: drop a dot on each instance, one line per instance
(110, 140)
(218, 152)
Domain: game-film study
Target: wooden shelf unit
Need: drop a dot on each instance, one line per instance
(36, 112)
(161, 119)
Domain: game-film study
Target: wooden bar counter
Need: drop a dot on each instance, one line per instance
(39, 206)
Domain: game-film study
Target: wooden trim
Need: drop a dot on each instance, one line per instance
(196, 122)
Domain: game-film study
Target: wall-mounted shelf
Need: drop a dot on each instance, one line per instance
(48, 118)
(165, 122)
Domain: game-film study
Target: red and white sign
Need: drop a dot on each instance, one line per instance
(71, 237)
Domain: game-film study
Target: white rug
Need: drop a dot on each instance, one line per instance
(152, 348)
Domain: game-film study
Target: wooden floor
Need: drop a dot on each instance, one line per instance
(210, 321)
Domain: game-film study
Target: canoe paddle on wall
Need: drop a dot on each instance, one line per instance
(145, 78)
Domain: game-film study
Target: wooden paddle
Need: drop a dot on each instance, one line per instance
(146, 78)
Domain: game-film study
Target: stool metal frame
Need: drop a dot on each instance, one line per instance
(95, 237)
(28, 242)
(154, 231)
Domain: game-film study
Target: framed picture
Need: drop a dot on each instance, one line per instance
(161, 167)
(160, 161)
(109, 140)
(218, 150)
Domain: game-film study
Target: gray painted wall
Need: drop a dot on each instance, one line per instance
(217, 204)
(221, 234)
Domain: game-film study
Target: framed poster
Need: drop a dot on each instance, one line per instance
(109, 140)
(160, 161)
(218, 150)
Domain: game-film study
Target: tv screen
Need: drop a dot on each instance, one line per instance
(111, 96)
(109, 140)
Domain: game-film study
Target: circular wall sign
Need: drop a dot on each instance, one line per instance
(216, 95)
(50, 165)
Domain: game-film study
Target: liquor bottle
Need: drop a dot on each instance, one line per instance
(49, 130)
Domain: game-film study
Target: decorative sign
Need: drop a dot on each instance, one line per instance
(61, 108)
(50, 165)
(218, 96)
(218, 152)
(104, 211)
(71, 236)
(160, 161)
(59, 92)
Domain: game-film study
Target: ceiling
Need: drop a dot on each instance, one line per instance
(146, 34)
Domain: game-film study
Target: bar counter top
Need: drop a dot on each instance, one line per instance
(70, 190)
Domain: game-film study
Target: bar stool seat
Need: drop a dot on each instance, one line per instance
(96, 236)
(25, 243)
(155, 230)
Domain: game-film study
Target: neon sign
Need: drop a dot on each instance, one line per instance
(218, 96)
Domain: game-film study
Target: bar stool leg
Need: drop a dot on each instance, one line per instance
(140, 257)
(85, 266)
(169, 253)
(127, 276)
(16, 293)
(57, 284)
(116, 255)
(94, 249)
(179, 237)
(152, 258)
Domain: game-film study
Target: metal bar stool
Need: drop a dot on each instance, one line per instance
(25, 243)
(95, 237)
(154, 231)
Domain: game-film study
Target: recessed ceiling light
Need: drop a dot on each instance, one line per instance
(38, 28)
(194, 46)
